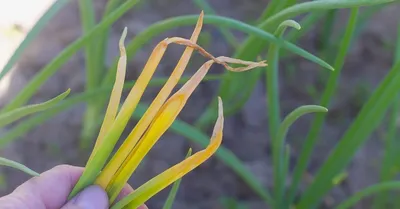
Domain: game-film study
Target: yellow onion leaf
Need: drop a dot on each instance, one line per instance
(123, 152)
(116, 92)
(163, 120)
(155, 185)
(165, 117)
(104, 149)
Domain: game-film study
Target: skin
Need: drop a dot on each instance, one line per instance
(50, 190)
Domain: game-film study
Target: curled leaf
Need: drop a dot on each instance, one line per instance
(292, 117)
(280, 166)
(163, 120)
(287, 23)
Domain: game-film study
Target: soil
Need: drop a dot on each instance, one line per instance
(57, 140)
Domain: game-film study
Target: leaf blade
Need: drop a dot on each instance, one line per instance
(9, 117)
(328, 93)
(174, 190)
(18, 166)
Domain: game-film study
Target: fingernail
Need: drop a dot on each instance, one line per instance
(93, 197)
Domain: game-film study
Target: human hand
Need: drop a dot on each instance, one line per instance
(50, 190)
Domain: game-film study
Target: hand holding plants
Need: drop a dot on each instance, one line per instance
(50, 190)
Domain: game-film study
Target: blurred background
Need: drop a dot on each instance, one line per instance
(213, 185)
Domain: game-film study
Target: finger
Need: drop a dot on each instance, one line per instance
(47, 191)
(50, 190)
(92, 197)
(124, 192)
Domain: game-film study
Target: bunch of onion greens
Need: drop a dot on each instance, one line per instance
(112, 176)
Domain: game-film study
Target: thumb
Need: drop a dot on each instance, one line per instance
(93, 197)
